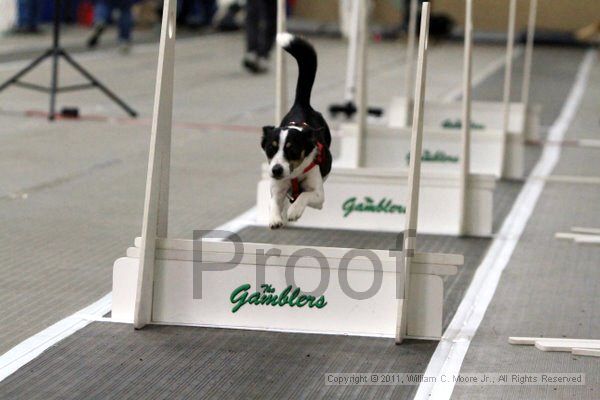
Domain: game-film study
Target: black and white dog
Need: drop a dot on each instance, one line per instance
(298, 150)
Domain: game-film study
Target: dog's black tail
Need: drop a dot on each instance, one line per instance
(306, 57)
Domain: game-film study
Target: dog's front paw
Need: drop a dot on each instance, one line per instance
(295, 212)
(276, 222)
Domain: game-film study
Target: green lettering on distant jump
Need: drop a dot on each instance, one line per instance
(385, 206)
(439, 156)
(457, 124)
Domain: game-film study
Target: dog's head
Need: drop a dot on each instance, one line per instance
(286, 148)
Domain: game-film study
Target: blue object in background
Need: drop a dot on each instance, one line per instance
(28, 13)
(46, 10)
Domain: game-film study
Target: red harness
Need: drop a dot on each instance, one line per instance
(296, 189)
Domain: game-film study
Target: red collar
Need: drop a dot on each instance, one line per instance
(296, 190)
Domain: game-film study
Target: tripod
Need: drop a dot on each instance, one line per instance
(55, 53)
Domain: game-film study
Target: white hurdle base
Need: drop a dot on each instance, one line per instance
(174, 301)
(387, 147)
(374, 199)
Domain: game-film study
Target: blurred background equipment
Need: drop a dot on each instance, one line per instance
(55, 53)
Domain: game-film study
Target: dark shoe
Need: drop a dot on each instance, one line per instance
(94, 40)
(250, 62)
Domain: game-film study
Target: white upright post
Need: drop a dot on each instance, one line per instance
(414, 175)
(465, 157)
(410, 59)
(350, 94)
(156, 204)
(345, 19)
(361, 77)
(281, 67)
(510, 47)
(529, 53)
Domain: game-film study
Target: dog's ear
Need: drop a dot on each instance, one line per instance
(267, 130)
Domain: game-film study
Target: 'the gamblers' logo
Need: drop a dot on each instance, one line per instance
(290, 296)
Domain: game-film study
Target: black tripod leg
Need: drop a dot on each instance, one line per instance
(25, 70)
(99, 84)
(53, 84)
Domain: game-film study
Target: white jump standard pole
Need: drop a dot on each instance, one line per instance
(465, 169)
(350, 94)
(412, 209)
(410, 59)
(281, 67)
(510, 48)
(156, 206)
(361, 78)
(525, 87)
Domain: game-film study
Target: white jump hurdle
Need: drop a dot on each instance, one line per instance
(175, 302)
(587, 236)
(387, 148)
(367, 187)
(518, 120)
(504, 153)
(580, 347)
(268, 287)
(374, 199)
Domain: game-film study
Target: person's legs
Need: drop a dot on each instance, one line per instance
(262, 25)
(252, 25)
(69, 11)
(102, 12)
(125, 20)
(35, 13)
(406, 15)
(207, 10)
(102, 16)
(22, 13)
(270, 27)
(267, 27)
(28, 14)
(192, 18)
(184, 10)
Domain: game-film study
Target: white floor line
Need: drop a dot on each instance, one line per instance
(32, 347)
(485, 73)
(450, 352)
